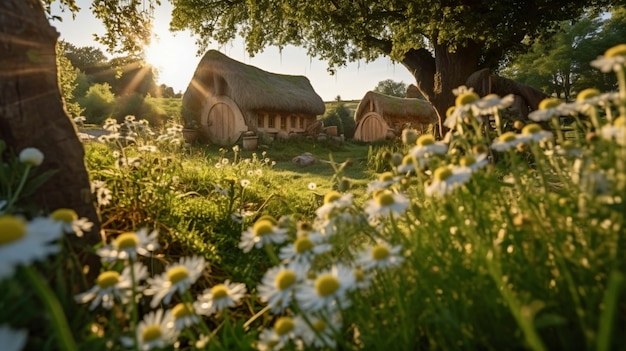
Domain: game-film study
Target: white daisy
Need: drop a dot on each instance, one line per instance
(184, 315)
(312, 186)
(386, 203)
(11, 339)
(384, 181)
(305, 248)
(613, 59)
(103, 194)
(279, 285)
(362, 278)
(128, 245)
(548, 109)
(446, 179)
(319, 330)
(509, 140)
(489, 104)
(264, 231)
(269, 341)
(615, 131)
(474, 161)
(409, 136)
(334, 202)
(328, 291)
(536, 133)
(411, 164)
(22, 242)
(219, 297)
(380, 255)
(70, 223)
(285, 329)
(426, 146)
(177, 278)
(155, 331)
(245, 183)
(112, 286)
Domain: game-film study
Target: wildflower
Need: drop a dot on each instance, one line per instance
(549, 108)
(184, 315)
(474, 161)
(334, 201)
(31, 156)
(615, 131)
(318, 330)
(111, 286)
(80, 119)
(220, 190)
(613, 59)
(508, 140)
(128, 245)
(305, 248)
(220, 297)
(269, 341)
(386, 203)
(148, 148)
(426, 146)
(328, 290)
(225, 161)
(285, 329)
(70, 223)
(411, 164)
(111, 125)
(362, 279)
(245, 183)
(155, 331)
(312, 186)
(22, 242)
(409, 136)
(446, 179)
(264, 231)
(536, 133)
(11, 339)
(103, 194)
(380, 255)
(491, 103)
(177, 278)
(384, 181)
(279, 284)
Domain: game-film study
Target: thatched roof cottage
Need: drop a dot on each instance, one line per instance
(380, 116)
(228, 98)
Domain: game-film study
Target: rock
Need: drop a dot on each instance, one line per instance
(304, 160)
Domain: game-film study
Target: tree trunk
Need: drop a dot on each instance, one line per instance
(32, 112)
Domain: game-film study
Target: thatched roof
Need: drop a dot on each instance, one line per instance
(250, 87)
(391, 107)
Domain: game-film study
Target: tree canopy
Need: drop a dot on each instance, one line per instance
(391, 88)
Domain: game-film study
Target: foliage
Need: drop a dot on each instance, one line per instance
(68, 81)
(560, 66)
(88, 59)
(98, 103)
(391, 88)
(142, 108)
(341, 117)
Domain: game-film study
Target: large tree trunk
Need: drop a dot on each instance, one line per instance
(32, 112)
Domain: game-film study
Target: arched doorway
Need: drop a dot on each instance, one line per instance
(222, 120)
(371, 127)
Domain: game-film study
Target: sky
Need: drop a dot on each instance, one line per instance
(175, 56)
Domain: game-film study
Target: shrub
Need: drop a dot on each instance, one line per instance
(98, 103)
(340, 116)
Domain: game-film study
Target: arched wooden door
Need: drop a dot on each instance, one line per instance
(222, 121)
(371, 127)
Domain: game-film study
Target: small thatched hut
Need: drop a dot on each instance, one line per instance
(380, 116)
(228, 98)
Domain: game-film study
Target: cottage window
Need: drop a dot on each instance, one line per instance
(292, 122)
(283, 122)
(270, 123)
(301, 120)
(260, 121)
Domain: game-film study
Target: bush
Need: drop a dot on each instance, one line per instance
(142, 108)
(340, 116)
(98, 103)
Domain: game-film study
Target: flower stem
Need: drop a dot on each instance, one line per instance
(20, 186)
(59, 322)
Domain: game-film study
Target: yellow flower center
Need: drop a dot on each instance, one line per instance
(304, 226)
(466, 98)
(285, 279)
(263, 227)
(13, 229)
(303, 244)
(177, 274)
(384, 198)
(107, 279)
(359, 275)
(319, 325)
(331, 196)
(151, 333)
(182, 310)
(549, 103)
(65, 215)
(127, 240)
(587, 94)
(618, 50)
(408, 160)
(267, 218)
(219, 292)
(326, 285)
(531, 128)
(425, 139)
(284, 325)
(442, 173)
(507, 137)
(620, 122)
(467, 160)
(380, 252)
(450, 111)
(385, 177)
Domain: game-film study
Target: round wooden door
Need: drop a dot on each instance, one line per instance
(371, 127)
(224, 125)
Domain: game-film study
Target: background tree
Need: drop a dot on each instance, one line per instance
(68, 81)
(391, 88)
(441, 44)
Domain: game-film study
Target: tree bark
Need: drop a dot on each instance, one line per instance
(32, 112)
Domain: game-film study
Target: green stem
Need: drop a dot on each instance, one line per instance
(610, 303)
(133, 303)
(59, 322)
(20, 186)
(621, 79)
